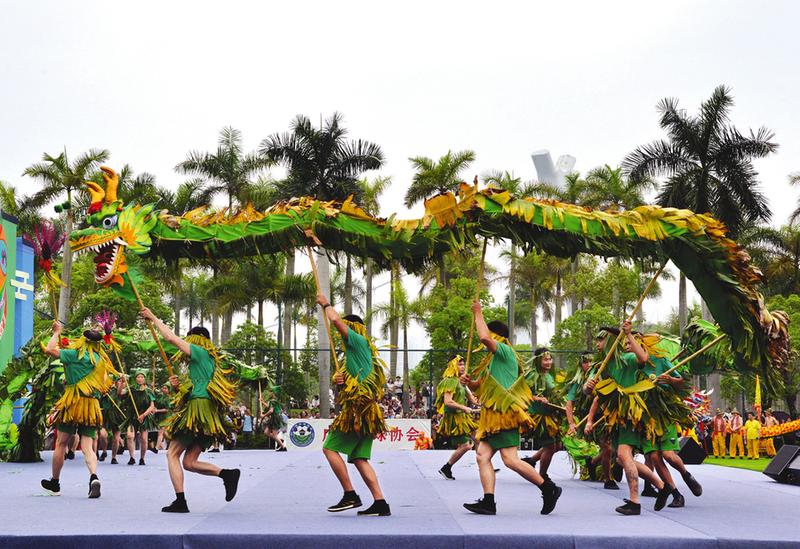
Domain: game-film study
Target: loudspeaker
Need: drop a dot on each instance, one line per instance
(785, 466)
(691, 453)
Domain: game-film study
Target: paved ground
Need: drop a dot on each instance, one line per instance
(283, 496)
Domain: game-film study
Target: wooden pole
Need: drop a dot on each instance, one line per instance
(477, 297)
(610, 352)
(152, 328)
(122, 369)
(324, 314)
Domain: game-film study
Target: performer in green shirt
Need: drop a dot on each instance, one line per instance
(274, 414)
(626, 431)
(114, 415)
(545, 419)
(361, 379)
(88, 374)
(457, 424)
(504, 396)
(163, 411)
(143, 422)
(201, 404)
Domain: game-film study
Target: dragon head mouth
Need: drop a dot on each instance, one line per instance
(109, 260)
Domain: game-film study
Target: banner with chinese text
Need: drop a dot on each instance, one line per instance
(309, 434)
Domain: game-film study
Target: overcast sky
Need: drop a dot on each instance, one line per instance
(152, 80)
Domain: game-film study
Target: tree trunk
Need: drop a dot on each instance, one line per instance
(512, 297)
(324, 353)
(227, 326)
(288, 311)
(215, 328)
(683, 310)
(261, 312)
(177, 309)
(66, 272)
(393, 327)
(405, 372)
(533, 328)
(705, 312)
(348, 287)
(573, 301)
(249, 313)
(557, 315)
(368, 277)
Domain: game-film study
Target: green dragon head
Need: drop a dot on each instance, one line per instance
(113, 230)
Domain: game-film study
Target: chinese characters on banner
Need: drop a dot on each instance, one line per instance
(309, 434)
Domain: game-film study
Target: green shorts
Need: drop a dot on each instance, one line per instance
(188, 439)
(457, 441)
(353, 445)
(503, 439)
(669, 441)
(627, 436)
(82, 430)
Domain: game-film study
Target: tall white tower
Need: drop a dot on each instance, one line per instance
(547, 172)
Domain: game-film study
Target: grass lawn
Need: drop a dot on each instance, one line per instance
(752, 464)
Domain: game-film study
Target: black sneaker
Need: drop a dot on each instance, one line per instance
(154, 450)
(141, 461)
(230, 478)
(447, 473)
(663, 496)
(629, 508)
(282, 449)
(177, 506)
(213, 450)
(379, 508)
(102, 457)
(114, 461)
(591, 470)
(677, 501)
(94, 488)
(482, 507)
(550, 496)
(530, 460)
(693, 485)
(649, 491)
(610, 485)
(51, 486)
(70, 455)
(347, 502)
(131, 461)
(616, 472)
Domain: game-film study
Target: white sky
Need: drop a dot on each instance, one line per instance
(152, 80)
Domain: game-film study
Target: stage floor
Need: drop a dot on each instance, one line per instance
(282, 499)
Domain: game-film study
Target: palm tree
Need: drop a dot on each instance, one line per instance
(434, 177)
(399, 312)
(777, 252)
(321, 162)
(607, 189)
(708, 166)
(536, 280)
(228, 170)
(573, 192)
(59, 176)
(508, 181)
(794, 180)
(370, 193)
(28, 217)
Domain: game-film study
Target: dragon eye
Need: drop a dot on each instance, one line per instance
(110, 222)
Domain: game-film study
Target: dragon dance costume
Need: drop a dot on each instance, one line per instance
(456, 425)
(88, 372)
(504, 396)
(545, 420)
(360, 419)
(202, 401)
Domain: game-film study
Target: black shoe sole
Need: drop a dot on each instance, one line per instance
(166, 510)
(334, 509)
(694, 487)
(451, 477)
(94, 489)
(614, 487)
(628, 513)
(555, 501)
(678, 506)
(362, 514)
(479, 510)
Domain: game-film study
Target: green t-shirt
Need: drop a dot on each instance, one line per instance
(201, 370)
(504, 368)
(459, 397)
(75, 369)
(358, 355)
(576, 384)
(276, 407)
(143, 398)
(624, 369)
(541, 384)
(657, 366)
